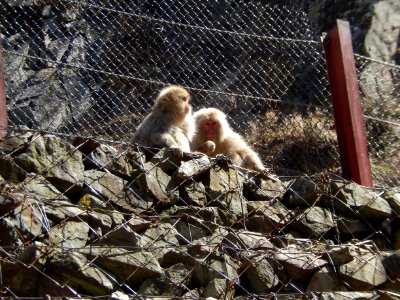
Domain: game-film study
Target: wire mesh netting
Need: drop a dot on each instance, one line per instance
(86, 219)
(380, 90)
(85, 214)
(93, 69)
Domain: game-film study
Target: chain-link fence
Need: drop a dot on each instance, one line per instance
(95, 220)
(92, 68)
(84, 214)
(380, 90)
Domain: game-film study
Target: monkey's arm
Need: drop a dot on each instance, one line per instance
(168, 140)
(252, 161)
(207, 148)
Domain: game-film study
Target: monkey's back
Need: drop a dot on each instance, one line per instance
(155, 129)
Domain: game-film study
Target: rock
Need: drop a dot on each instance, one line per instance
(166, 161)
(394, 200)
(173, 256)
(209, 267)
(193, 193)
(391, 264)
(9, 202)
(107, 157)
(225, 191)
(77, 270)
(163, 234)
(219, 289)
(55, 159)
(10, 171)
(193, 168)
(173, 283)
(59, 210)
(269, 189)
(325, 280)
(338, 255)
(193, 294)
(267, 216)
(137, 223)
(352, 226)
(247, 240)
(356, 199)
(9, 235)
(20, 279)
(395, 228)
(99, 220)
(37, 254)
(123, 235)
(118, 295)
(93, 201)
(348, 295)
(188, 232)
(85, 145)
(39, 188)
(16, 141)
(57, 205)
(381, 40)
(23, 224)
(160, 185)
(303, 192)
(315, 221)
(258, 275)
(63, 96)
(115, 190)
(133, 267)
(70, 234)
(300, 265)
(364, 272)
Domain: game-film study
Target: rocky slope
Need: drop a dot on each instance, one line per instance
(86, 218)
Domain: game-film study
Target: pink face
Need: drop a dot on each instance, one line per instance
(211, 128)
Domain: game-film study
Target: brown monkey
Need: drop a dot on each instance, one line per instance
(211, 125)
(170, 123)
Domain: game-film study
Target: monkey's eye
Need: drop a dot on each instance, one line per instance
(184, 99)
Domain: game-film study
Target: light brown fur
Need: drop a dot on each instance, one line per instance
(211, 125)
(170, 123)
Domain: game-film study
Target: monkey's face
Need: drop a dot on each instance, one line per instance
(185, 103)
(175, 101)
(179, 99)
(210, 128)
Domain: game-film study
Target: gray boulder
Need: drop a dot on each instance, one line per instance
(355, 199)
(55, 159)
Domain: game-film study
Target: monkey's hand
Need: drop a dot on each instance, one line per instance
(222, 159)
(207, 148)
(177, 151)
(266, 173)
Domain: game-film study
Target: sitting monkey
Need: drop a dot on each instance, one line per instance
(170, 123)
(214, 136)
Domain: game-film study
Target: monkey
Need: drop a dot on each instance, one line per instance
(211, 125)
(170, 122)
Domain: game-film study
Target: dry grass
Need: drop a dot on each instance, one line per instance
(295, 143)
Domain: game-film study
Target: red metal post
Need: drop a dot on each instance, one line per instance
(346, 101)
(3, 104)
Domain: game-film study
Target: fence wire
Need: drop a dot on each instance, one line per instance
(380, 90)
(89, 219)
(93, 68)
(83, 213)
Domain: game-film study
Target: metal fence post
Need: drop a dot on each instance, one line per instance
(347, 109)
(3, 104)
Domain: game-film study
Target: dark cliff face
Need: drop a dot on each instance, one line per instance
(359, 13)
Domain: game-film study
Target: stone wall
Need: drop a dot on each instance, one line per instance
(85, 218)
